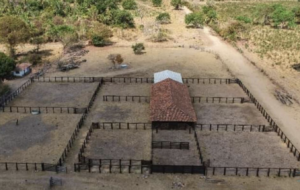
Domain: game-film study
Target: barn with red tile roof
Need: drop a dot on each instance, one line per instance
(171, 104)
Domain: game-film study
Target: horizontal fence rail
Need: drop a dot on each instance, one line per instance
(68, 79)
(116, 98)
(5, 166)
(128, 80)
(121, 125)
(272, 123)
(5, 100)
(114, 166)
(29, 109)
(185, 80)
(177, 169)
(209, 80)
(201, 99)
(232, 127)
(170, 145)
(251, 171)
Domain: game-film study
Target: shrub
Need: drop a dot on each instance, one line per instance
(157, 3)
(138, 48)
(99, 41)
(7, 65)
(196, 19)
(122, 19)
(163, 18)
(129, 4)
(99, 34)
(244, 19)
(210, 13)
(176, 3)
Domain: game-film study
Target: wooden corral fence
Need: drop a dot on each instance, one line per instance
(81, 158)
(29, 109)
(251, 171)
(272, 123)
(200, 99)
(92, 100)
(78, 127)
(170, 145)
(198, 147)
(68, 79)
(71, 140)
(209, 80)
(128, 80)
(232, 127)
(177, 169)
(114, 166)
(6, 99)
(122, 125)
(5, 166)
(116, 98)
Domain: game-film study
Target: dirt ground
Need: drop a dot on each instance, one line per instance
(189, 62)
(245, 113)
(56, 94)
(216, 90)
(119, 144)
(36, 138)
(176, 156)
(128, 89)
(246, 149)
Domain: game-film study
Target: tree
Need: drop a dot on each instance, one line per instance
(138, 48)
(282, 17)
(115, 58)
(63, 33)
(7, 65)
(163, 18)
(122, 19)
(129, 5)
(176, 3)
(196, 19)
(13, 31)
(156, 3)
(210, 13)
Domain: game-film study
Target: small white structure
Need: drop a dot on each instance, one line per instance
(160, 76)
(22, 69)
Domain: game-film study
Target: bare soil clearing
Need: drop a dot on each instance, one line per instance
(36, 138)
(245, 149)
(120, 144)
(209, 113)
(176, 156)
(52, 94)
(122, 89)
(216, 90)
(189, 62)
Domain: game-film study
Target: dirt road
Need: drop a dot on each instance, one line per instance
(288, 118)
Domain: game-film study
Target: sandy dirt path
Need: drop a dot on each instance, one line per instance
(288, 118)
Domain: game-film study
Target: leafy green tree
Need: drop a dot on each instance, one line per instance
(163, 18)
(99, 34)
(129, 5)
(7, 65)
(195, 19)
(123, 19)
(138, 48)
(156, 3)
(13, 31)
(176, 4)
(63, 33)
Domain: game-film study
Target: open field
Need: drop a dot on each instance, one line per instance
(36, 138)
(245, 149)
(119, 144)
(229, 114)
(175, 156)
(216, 90)
(189, 62)
(53, 94)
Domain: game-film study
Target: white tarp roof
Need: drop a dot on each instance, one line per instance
(160, 76)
